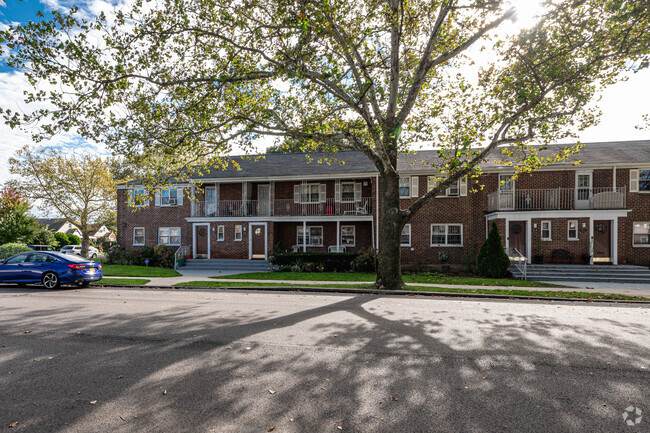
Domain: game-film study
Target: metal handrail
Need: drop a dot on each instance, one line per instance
(280, 207)
(180, 252)
(516, 258)
(557, 198)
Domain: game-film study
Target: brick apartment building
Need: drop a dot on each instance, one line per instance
(596, 211)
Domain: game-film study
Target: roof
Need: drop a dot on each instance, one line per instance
(298, 164)
(53, 224)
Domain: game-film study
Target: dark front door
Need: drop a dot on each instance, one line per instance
(202, 241)
(258, 240)
(603, 241)
(517, 235)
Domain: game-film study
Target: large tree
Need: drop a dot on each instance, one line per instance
(80, 189)
(15, 222)
(175, 84)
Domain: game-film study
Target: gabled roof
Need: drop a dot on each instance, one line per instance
(278, 165)
(53, 224)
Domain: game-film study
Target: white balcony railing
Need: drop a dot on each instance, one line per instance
(279, 207)
(557, 199)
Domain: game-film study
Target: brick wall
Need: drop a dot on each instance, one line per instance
(286, 235)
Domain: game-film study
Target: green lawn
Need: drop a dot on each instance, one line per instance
(545, 294)
(123, 281)
(349, 276)
(137, 271)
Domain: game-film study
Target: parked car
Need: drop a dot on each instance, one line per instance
(51, 269)
(76, 250)
(42, 247)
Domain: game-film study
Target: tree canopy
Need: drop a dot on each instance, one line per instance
(176, 85)
(15, 222)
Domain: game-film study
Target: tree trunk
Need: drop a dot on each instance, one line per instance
(389, 270)
(85, 243)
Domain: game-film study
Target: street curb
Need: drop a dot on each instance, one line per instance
(380, 292)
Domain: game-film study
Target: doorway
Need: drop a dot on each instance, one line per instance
(263, 200)
(258, 241)
(602, 241)
(517, 236)
(584, 190)
(202, 241)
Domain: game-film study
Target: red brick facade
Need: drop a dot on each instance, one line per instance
(470, 211)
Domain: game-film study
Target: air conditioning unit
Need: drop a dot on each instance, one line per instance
(172, 201)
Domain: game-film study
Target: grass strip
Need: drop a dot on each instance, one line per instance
(123, 281)
(537, 293)
(351, 276)
(137, 271)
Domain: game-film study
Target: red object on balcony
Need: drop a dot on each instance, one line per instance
(329, 210)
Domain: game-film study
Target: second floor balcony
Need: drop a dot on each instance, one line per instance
(557, 199)
(279, 208)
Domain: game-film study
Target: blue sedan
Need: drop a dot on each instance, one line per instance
(50, 269)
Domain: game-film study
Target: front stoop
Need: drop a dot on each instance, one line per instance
(587, 273)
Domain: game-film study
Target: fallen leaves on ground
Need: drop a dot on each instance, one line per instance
(28, 332)
(272, 391)
(13, 424)
(394, 398)
(93, 402)
(119, 377)
(271, 428)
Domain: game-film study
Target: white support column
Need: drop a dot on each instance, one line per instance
(338, 234)
(591, 240)
(304, 236)
(614, 178)
(614, 241)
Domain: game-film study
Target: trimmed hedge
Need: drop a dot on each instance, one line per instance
(8, 250)
(331, 262)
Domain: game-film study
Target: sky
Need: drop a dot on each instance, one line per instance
(622, 105)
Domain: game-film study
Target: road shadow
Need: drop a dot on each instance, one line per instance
(355, 362)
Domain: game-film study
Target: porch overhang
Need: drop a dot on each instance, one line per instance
(574, 213)
(319, 218)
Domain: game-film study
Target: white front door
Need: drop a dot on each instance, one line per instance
(263, 200)
(584, 190)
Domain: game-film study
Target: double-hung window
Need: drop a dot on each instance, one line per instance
(221, 233)
(405, 187)
(446, 235)
(347, 192)
(310, 193)
(641, 234)
(138, 236)
(169, 236)
(572, 230)
(406, 236)
(644, 180)
(314, 236)
(168, 197)
(140, 197)
(238, 233)
(348, 236)
(546, 231)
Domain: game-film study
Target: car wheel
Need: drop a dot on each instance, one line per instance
(94, 256)
(51, 280)
(84, 284)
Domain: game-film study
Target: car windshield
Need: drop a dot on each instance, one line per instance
(68, 247)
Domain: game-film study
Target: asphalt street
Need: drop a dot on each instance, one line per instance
(135, 360)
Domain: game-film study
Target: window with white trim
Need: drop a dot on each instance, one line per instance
(221, 233)
(238, 233)
(348, 235)
(140, 197)
(314, 236)
(446, 235)
(169, 236)
(138, 236)
(405, 187)
(546, 230)
(641, 234)
(644, 180)
(406, 236)
(572, 230)
(347, 192)
(169, 197)
(310, 193)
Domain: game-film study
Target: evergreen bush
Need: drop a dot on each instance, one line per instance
(8, 250)
(492, 260)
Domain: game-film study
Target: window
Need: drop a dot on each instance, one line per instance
(314, 236)
(347, 192)
(546, 230)
(138, 236)
(641, 234)
(446, 235)
(140, 197)
(238, 233)
(406, 236)
(169, 236)
(405, 187)
(644, 180)
(20, 258)
(572, 230)
(221, 233)
(169, 197)
(310, 193)
(348, 236)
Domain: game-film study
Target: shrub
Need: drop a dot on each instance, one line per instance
(8, 250)
(116, 255)
(492, 260)
(366, 261)
(74, 239)
(322, 262)
(43, 237)
(62, 239)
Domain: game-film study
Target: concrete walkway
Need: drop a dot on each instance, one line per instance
(617, 288)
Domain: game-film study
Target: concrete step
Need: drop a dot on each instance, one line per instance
(226, 265)
(586, 273)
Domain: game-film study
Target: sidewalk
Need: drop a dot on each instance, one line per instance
(617, 288)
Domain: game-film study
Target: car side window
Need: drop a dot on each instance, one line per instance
(36, 258)
(20, 258)
(50, 259)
